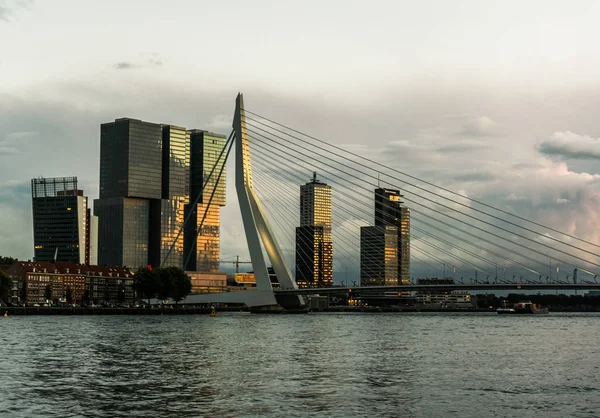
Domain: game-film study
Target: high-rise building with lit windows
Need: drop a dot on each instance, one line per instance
(63, 229)
(314, 247)
(150, 175)
(377, 246)
(378, 255)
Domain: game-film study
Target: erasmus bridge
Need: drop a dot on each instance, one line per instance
(467, 236)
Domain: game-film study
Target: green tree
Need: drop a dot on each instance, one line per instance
(6, 284)
(146, 282)
(48, 292)
(167, 282)
(7, 260)
(182, 284)
(69, 295)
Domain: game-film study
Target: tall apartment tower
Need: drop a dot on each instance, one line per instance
(145, 184)
(314, 247)
(377, 254)
(63, 228)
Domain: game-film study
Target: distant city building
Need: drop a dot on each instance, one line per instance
(314, 247)
(379, 255)
(150, 175)
(444, 299)
(390, 212)
(63, 228)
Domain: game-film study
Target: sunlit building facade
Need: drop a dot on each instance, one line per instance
(314, 247)
(203, 231)
(150, 174)
(389, 211)
(63, 228)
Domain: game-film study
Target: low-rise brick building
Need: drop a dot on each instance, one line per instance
(87, 284)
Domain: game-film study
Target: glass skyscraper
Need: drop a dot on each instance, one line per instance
(148, 172)
(63, 229)
(378, 255)
(390, 218)
(314, 247)
(202, 239)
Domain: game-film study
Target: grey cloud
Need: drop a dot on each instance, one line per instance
(154, 60)
(569, 145)
(526, 166)
(123, 65)
(8, 150)
(463, 146)
(481, 126)
(477, 176)
(4, 13)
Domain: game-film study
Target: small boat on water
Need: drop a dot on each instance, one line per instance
(213, 311)
(523, 307)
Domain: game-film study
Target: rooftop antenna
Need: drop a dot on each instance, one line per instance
(314, 176)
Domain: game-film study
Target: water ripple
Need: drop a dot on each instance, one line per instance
(415, 365)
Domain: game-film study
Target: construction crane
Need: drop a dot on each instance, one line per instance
(237, 263)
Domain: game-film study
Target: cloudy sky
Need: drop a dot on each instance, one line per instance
(497, 100)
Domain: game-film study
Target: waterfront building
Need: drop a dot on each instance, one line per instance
(63, 228)
(379, 255)
(111, 284)
(447, 299)
(207, 282)
(150, 175)
(314, 247)
(389, 211)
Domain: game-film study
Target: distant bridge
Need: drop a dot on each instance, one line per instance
(439, 288)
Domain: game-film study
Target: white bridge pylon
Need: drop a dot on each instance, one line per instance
(257, 230)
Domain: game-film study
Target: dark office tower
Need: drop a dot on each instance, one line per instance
(404, 243)
(390, 212)
(62, 227)
(378, 256)
(130, 191)
(314, 248)
(387, 207)
(202, 232)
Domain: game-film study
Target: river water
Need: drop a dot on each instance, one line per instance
(330, 365)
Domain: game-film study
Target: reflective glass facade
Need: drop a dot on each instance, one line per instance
(175, 193)
(123, 231)
(314, 247)
(379, 256)
(60, 220)
(202, 243)
(131, 159)
(149, 175)
(390, 212)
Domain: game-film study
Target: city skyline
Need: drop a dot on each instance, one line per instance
(455, 117)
